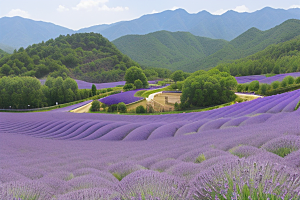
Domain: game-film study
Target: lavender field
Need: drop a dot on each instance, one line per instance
(216, 154)
(264, 79)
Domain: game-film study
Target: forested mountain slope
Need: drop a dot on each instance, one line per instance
(167, 49)
(278, 58)
(84, 56)
(248, 43)
(190, 53)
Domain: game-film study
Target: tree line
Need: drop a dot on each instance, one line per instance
(28, 92)
(289, 83)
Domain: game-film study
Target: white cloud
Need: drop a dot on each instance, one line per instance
(115, 9)
(88, 4)
(174, 8)
(219, 12)
(154, 11)
(62, 8)
(18, 12)
(241, 9)
(295, 6)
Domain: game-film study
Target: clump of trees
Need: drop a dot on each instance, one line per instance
(207, 88)
(135, 79)
(28, 92)
(95, 105)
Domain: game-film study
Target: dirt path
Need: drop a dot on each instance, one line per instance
(82, 109)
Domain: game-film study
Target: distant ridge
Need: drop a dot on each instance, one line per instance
(19, 32)
(226, 26)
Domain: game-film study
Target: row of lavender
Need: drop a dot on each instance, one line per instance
(264, 79)
(128, 128)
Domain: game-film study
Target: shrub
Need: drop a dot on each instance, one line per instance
(177, 106)
(275, 85)
(94, 90)
(283, 83)
(140, 109)
(112, 108)
(200, 158)
(254, 86)
(95, 105)
(297, 80)
(128, 86)
(122, 107)
(138, 84)
(289, 79)
(109, 89)
(263, 89)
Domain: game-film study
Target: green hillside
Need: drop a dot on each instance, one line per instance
(166, 49)
(277, 59)
(85, 56)
(190, 53)
(2, 53)
(248, 43)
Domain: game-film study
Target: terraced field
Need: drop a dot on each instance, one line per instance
(63, 155)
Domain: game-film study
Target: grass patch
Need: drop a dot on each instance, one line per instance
(139, 93)
(297, 106)
(270, 75)
(282, 152)
(200, 158)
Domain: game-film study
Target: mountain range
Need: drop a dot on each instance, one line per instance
(184, 51)
(19, 32)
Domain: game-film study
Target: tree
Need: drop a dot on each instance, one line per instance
(122, 107)
(138, 84)
(289, 79)
(177, 76)
(140, 109)
(95, 105)
(5, 69)
(275, 85)
(254, 86)
(297, 80)
(263, 88)
(128, 86)
(94, 90)
(135, 73)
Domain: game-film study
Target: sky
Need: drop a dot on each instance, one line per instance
(76, 14)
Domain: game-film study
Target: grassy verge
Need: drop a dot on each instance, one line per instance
(139, 93)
